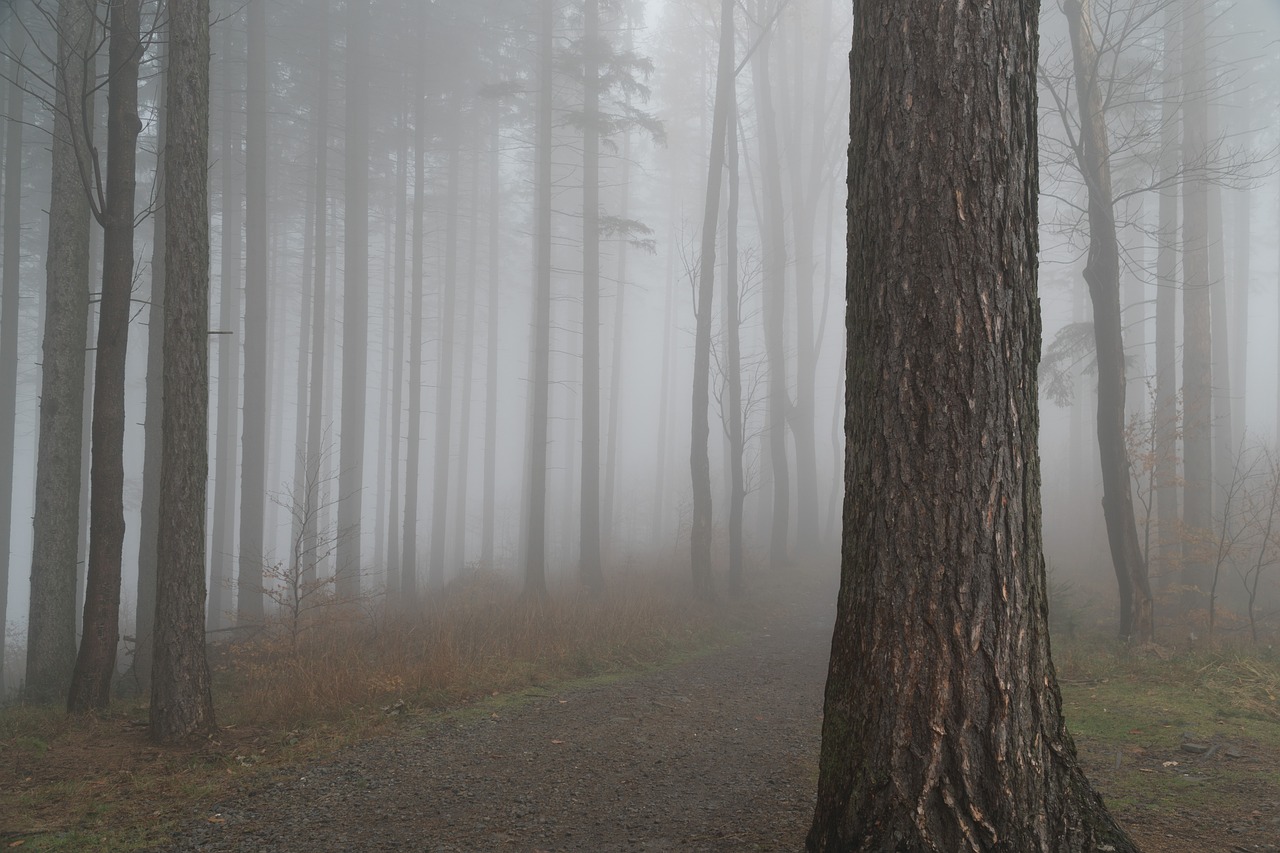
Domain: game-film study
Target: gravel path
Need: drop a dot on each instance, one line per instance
(716, 754)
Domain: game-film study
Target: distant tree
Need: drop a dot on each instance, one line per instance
(51, 622)
(943, 725)
(181, 695)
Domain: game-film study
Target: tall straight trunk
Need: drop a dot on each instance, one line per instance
(1223, 431)
(468, 373)
(96, 659)
(222, 564)
(153, 438)
(9, 310)
(491, 345)
(1197, 362)
(355, 310)
(733, 353)
(182, 699)
(51, 619)
(609, 499)
(590, 565)
(699, 459)
(444, 363)
(253, 443)
(664, 387)
(409, 554)
(1240, 297)
(316, 451)
(1166, 402)
(397, 368)
(300, 488)
(1102, 273)
(535, 583)
(774, 250)
(942, 726)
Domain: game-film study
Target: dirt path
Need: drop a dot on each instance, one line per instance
(716, 754)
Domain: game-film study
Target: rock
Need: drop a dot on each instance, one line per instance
(1195, 748)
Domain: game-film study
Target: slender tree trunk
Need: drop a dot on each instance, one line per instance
(409, 555)
(444, 363)
(590, 557)
(699, 460)
(300, 508)
(733, 353)
(9, 309)
(1102, 273)
(153, 438)
(774, 251)
(664, 389)
(943, 726)
(1197, 363)
(96, 659)
(355, 310)
(51, 621)
(316, 451)
(491, 360)
(1240, 296)
(222, 567)
(1166, 402)
(182, 700)
(1223, 446)
(535, 584)
(609, 502)
(468, 374)
(397, 370)
(253, 444)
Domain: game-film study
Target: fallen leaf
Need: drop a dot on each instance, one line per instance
(18, 843)
(217, 818)
(557, 741)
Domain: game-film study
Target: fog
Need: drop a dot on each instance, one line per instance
(448, 105)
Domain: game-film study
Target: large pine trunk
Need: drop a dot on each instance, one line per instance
(181, 697)
(51, 623)
(943, 726)
(96, 659)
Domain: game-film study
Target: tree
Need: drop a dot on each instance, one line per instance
(1102, 273)
(9, 311)
(590, 559)
(51, 623)
(114, 207)
(181, 695)
(943, 725)
(355, 317)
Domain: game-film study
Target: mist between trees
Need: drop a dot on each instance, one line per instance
(489, 279)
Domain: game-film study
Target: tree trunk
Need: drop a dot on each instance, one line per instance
(181, 698)
(1166, 402)
(409, 554)
(491, 360)
(397, 370)
(535, 583)
(1223, 431)
(773, 246)
(1102, 274)
(153, 439)
(589, 545)
(96, 660)
(222, 568)
(699, 460)
(733, 354)
(253, 445)
(444, 363)
(9, 309)
(355, 310)
(468, 373)
(943, 726)
(1240, 290)
(316, 451)
(51, 621)
(1197, 363)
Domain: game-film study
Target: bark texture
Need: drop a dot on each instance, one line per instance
(181, 695)
(51, 625)
(943, 725)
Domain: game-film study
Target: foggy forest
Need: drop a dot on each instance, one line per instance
(366, 360)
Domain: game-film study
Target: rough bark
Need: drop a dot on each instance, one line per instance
(253, 442)
(535, 569)
(9, 310)
(1197, 364)
(943, 726)
(181, 696)
(96, 658)
(51, 621)
(1102, 274)
(355, 311)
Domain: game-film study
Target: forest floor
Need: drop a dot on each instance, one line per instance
(714, 750)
